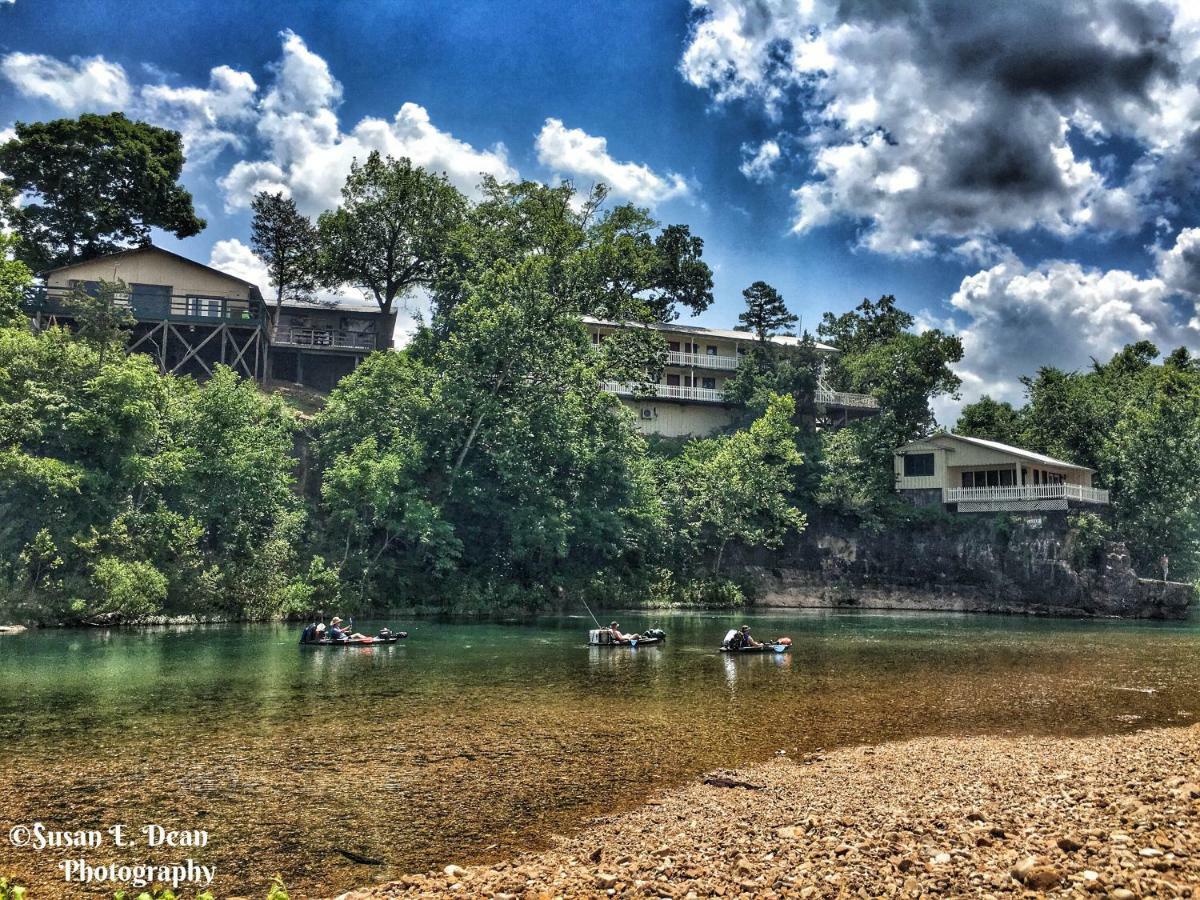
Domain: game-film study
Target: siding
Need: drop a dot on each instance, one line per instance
(922, 482)
(149, 267)
(679, 419)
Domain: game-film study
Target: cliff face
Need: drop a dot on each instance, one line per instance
(980, 565)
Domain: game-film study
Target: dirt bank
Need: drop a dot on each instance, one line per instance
(1111, 817)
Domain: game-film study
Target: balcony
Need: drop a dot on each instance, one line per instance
(702, 361)
(323, 339)
(664, 391)
(153, 307)
(1024, 497)
(826, 397)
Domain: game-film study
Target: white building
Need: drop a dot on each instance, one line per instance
(975, 475)
(688, 400)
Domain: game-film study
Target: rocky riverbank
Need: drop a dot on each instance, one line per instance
(1115, 817)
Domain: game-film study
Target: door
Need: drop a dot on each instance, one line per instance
(150, 301)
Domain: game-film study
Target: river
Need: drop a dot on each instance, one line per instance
(471, 741)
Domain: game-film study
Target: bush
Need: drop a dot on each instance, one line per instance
(130, 589)
(1085, 541)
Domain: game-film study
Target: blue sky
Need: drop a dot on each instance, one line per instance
(1019, 175)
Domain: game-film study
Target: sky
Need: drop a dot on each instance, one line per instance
(1020, 174)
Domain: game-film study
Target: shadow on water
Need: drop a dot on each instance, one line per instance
(472, 740)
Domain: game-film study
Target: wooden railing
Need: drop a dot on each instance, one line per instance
(1028, 492)
(667, 391)
(324, 338)
(59, 301)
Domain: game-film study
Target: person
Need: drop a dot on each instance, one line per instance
(615, 630)
(1166, 564)
(337, 633)
(747, 640)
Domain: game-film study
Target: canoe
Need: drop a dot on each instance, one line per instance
(362, 642)
(639, 642)
(765, 648)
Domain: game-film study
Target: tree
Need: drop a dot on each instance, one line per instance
(15, 278)
(765, 312)
(735, 488)
(104, 318)
(992, 420)
(94, 185)
(390, 233)
(286, 242)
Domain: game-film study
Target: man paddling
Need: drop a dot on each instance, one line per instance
(747, 641)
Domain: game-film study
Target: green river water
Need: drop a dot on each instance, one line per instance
(471, 741)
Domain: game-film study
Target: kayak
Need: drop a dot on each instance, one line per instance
(635, 642)
(765, 648)
(361, 642)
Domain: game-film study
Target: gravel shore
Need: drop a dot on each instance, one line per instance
(1111, 817)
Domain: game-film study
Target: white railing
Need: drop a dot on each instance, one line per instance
(1028, 492)
(323, 337)
(827, 397)
(702, 360)
(667, 391)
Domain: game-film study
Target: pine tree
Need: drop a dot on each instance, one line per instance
(765, 313)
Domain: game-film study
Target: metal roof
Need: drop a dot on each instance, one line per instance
(700, 331)
(1029, 455)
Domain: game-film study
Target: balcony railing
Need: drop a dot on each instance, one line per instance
(58, 301)
(702, 360)
(1027, 492)
(324, 339)
(826, 397)
(664, 391)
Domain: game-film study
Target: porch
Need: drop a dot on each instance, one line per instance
(1024, 497)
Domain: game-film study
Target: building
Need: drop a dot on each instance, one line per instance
(970, 474)
(315, 344)
(688, 399)
(191, 317)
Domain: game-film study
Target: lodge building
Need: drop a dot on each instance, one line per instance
(191, 317)
(688, 398)
(970, 474)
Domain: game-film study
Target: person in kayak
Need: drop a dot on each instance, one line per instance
(747, 641)
(337, 633)
(615, 629)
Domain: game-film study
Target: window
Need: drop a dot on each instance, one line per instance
(993, 478)
(1006, 478)
(672, 381)
(710, 384)
(712, 351)
(968, 479)
(673, 346)
(917, 465)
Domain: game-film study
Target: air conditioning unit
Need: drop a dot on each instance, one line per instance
(647, 412)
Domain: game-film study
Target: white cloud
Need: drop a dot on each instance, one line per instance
(85, 84)
(759, 164)
(574, 152)
(932, 127)
(1061, 313)
(308, 155)
(208, 118)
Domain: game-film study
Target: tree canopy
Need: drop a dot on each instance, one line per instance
(93, 185)
(765, 313)
(286, 242)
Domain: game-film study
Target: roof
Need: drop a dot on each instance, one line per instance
(257, 293)
(340, 304)
(727, 333)
(1029, 455)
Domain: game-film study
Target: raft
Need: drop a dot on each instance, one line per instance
(600, 637)
(361, 642)
(765, 648)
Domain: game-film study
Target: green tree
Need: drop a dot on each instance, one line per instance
(991, 419)
(93, 185)
(765, 313)
(286, 242)
(15, 279)
(103, 319)
(389, 234)
(735, 489)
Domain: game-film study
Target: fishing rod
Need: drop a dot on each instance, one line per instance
(590, 613)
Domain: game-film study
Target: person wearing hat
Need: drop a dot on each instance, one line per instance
(337, 633)
(748, 641)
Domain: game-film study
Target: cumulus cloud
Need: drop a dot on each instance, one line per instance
(208, 117)
(308, 155)
(84, 84)
(1061, 313)
(574, 152)
(933, 122)
(758, 164)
